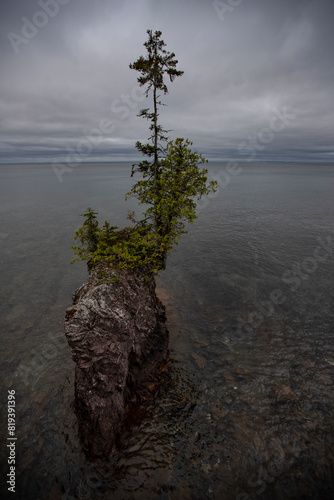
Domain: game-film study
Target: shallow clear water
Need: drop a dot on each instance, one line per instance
(246, 408)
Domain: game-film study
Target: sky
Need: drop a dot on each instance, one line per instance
(258, 82)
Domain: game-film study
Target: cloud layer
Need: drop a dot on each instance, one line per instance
(66, 82)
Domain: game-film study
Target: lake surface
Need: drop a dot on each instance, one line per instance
(246, 410)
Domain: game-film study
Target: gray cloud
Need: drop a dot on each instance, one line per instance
(72, 74)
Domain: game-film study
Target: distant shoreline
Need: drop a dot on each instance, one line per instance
(309, 162)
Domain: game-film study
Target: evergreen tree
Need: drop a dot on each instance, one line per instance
(170, 177)
(171, 180)
(157, 63)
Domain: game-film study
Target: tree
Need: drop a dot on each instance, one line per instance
(172, 178)
(181, 181)
(128, 248)
(152, 69)
(88, 235)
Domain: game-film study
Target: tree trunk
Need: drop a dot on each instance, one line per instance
(156, 166)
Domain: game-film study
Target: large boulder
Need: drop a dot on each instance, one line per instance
(119, 343)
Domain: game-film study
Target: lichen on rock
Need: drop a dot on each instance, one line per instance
(116, 330)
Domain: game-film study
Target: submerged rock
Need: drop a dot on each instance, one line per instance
(119, 343)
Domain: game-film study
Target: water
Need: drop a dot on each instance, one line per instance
(246, 408)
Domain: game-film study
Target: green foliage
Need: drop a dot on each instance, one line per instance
(152, 68)
(127, 248)
(171, 197)
(171, 180)
(171, 176)
(104, 277)
(115, 280)
(157, 63)
(88, 235)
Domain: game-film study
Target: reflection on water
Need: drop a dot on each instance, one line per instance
(246, 407)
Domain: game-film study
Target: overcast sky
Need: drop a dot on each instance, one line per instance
(258, 79)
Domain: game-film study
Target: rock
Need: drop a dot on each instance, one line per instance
(199, 360)
(206, 468)
(229, 378)
(218, 412)
(282, 393)
(242, 371)
(199, 341)
(329, 360)
(119, 343)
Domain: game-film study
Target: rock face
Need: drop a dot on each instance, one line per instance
(119, 342)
